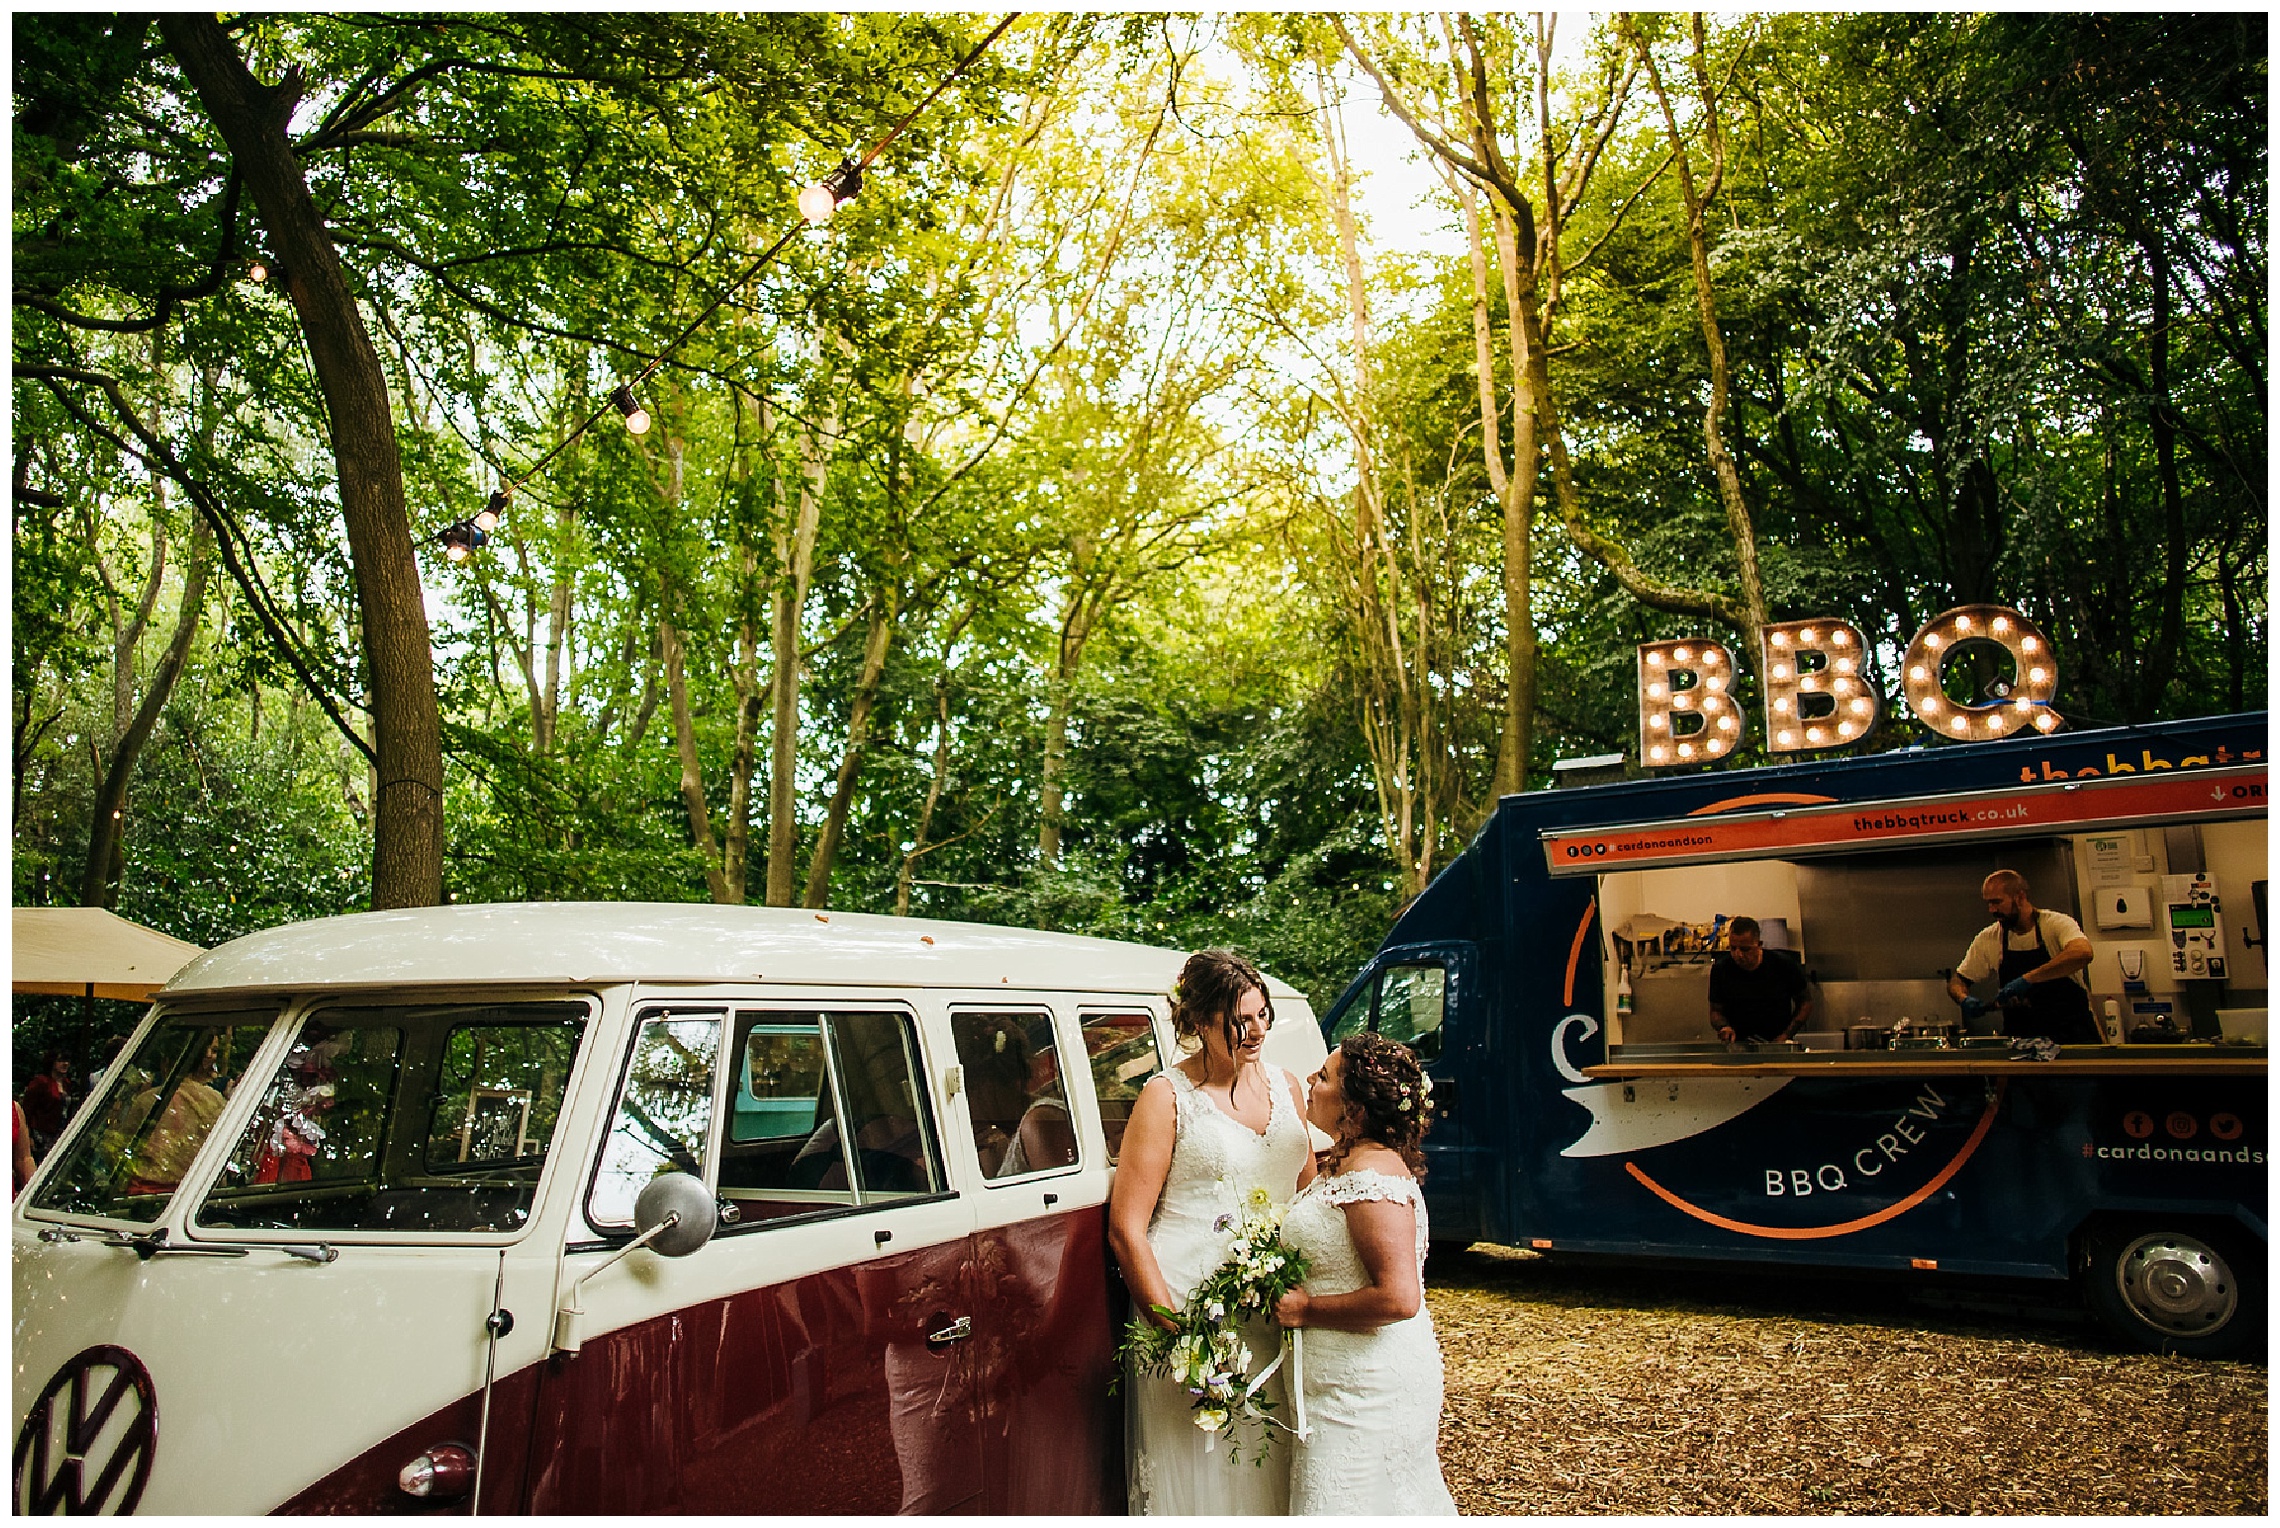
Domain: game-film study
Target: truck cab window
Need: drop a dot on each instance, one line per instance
(664, 1113)
(159, 1105)
(1410, 1004)
(1122, 1049)
(1014, 1099)
(412, 1119)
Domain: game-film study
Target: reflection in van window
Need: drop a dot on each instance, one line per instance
(413, 1119)
(1122, 1048)
(664, 1113)
(1013, 1092)
(158, 1108)
(800, 1075)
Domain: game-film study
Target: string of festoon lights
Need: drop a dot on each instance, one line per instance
(817, 202)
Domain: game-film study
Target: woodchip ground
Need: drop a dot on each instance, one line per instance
(1596, 1389)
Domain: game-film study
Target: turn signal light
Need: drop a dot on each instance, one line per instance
(1924, 1264)
(443, 1472)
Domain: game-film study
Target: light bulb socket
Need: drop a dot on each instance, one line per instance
(844, 183)
(488, 517)
(462, 539)
(636, 417)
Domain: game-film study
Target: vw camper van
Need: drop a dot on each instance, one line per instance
(598, 1208)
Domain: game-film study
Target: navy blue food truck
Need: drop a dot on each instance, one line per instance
(1554, 977)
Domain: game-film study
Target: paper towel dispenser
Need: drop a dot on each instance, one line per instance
(2121, 907)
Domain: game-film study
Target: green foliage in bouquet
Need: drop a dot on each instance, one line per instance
(1204, 1351)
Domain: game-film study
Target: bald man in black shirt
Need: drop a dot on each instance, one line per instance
(1756, 993)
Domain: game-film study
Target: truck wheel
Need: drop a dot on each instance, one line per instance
(2193, 1293)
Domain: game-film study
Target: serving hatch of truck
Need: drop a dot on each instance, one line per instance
(1575, 1117)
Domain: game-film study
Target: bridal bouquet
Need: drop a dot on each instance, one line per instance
(1204, 1351)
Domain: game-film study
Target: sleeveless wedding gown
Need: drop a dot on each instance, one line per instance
(1373, 1399)
(1217, 1163)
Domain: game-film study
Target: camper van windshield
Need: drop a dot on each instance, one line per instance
(413, 1119)
(158, 1106)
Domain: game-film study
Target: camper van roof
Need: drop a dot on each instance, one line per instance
(586, 943)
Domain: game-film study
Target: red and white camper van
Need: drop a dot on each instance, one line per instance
(597, 1208)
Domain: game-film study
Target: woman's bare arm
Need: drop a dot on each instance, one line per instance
(1141, 1169)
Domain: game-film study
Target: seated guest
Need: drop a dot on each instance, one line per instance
(1756, 993)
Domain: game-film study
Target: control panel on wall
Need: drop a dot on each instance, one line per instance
(2195, 920)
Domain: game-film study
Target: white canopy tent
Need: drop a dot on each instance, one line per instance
(92, 952)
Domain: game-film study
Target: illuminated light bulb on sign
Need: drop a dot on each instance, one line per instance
(1996, 625)
(1685, 677)
(1806, 658)
(1861, 707)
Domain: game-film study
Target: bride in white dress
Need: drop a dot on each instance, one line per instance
(1372, 1364)
(1208, 1141)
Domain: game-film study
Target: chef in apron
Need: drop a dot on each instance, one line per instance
(2035, 955)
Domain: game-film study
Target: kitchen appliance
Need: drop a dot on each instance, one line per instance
(1866, 1036)
(2195, 921)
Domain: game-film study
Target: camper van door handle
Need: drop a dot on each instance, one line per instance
(957, 1331)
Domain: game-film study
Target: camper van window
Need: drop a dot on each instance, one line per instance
(1122, 1048)
(664, 1114)
(823, 1116)
(406, 1120)
(157, 1109)
(1014, 1100)
(1410, 1003)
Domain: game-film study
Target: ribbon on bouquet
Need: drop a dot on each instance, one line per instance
(1294, 1349)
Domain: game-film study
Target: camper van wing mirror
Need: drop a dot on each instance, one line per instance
(683, 1200)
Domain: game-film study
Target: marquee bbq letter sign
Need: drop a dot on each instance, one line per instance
(1818, 693)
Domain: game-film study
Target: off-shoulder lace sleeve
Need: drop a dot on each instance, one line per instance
(1364, 1183)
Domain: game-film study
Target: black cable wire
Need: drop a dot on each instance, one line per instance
(665, 352)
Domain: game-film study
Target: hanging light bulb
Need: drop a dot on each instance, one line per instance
(636, 417)
(488, 517)
(819, 201)
(257, 272)
(460, 540)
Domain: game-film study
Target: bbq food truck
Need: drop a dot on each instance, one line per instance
(1555, 978)
(597, 1208)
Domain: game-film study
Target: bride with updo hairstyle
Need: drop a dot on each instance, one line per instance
(1373, 1365)
(1217, 1136)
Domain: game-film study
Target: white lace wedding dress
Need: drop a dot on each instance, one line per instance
(1373, 1399)
(1217, 1162)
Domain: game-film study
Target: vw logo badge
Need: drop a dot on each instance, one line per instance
(87, 1443)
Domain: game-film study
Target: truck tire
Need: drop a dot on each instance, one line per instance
(2197, 1292)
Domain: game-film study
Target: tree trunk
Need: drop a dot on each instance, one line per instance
(1738, 522)
(407, 839)
(98, 882)
(692, 774)
(879, 633)
(795, 547)
(918, 843)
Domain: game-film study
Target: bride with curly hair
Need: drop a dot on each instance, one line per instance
(1372, 1364)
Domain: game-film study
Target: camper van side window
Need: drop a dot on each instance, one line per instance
(1122, 1048)
(1019, 1113)
(1410, 1003)
(411, 1119)
(664, 1113)
(824, 1116)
